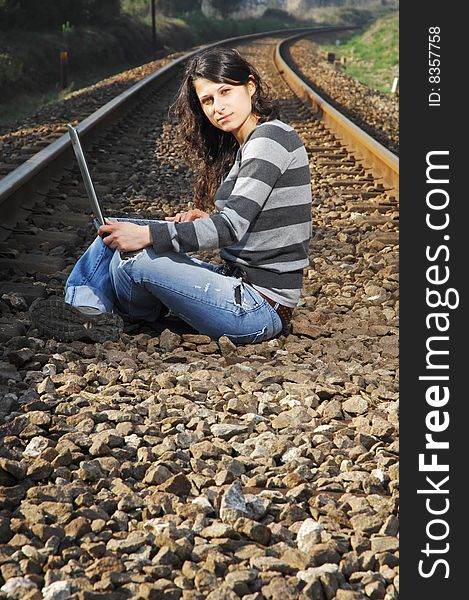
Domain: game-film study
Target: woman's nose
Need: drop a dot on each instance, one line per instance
(219, 104)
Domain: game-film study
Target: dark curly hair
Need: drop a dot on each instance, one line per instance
(211, 151)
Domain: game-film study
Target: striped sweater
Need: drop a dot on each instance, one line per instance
(263, 223)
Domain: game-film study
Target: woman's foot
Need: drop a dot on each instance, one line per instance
(56, 319)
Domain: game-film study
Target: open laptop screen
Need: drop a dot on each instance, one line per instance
(96, 208)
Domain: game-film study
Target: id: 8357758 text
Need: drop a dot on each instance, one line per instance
(434, 69)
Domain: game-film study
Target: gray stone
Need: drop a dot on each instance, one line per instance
(90, 471)
(39, 469)
(226, 431)
(254, 531)
(296, 558)
(366, 523)
(270, 563)
(375, 590)
(309, 534)
(169, 341)
(131, 543)
(218, 530)
(35, 446)
(384, 544)
(279, 589)
(177, 484)
(58, 590)
(227, 347)
(222, 593)
(349, 595)
(356, 405)
(14, 468)
(18, 588)
(233, 503)
(314, 572)
(9, 371)
(256, 507)
(157, 474)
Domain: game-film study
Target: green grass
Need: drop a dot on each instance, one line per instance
(372, 56)
(26, 104)
(29, 102)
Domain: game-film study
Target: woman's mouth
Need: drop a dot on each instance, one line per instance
(224, 118)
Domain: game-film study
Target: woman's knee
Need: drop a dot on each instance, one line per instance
(135, 266)
(117, 270)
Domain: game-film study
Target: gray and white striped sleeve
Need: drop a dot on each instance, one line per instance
(263, 161)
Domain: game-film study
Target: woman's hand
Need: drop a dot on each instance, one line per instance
(125, 236)
(190, 215)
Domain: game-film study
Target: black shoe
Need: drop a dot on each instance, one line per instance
(56, 319)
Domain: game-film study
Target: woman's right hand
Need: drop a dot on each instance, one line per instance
(190, 215)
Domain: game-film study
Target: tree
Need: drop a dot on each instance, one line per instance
(226, 7)
(172, 8)
(103, 11)
(51, 14)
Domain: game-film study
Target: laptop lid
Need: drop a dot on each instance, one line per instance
(96, 208)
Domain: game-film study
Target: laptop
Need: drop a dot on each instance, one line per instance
(89, 187)
(95, 206)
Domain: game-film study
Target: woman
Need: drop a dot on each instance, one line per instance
(254, 168)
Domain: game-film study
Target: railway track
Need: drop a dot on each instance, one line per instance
(124, 436)
(373, 111)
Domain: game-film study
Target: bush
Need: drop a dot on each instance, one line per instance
(11, 70)
(224, 8)
(278, 14)
(50, 14)
(354, 16)
(173, 8)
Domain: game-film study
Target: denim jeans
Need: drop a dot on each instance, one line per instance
(139, 285)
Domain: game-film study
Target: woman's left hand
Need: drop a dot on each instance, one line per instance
(125, 236)
(190, 215)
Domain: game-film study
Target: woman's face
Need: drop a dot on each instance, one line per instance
(228, 107)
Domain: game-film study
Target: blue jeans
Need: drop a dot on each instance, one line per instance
(138, 288)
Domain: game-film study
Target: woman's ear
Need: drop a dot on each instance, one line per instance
(251, 86)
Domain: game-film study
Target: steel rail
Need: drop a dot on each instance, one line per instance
(382, 163)
(18, 189)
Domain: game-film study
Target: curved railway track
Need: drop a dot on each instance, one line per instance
(373, 111)
(127, 434)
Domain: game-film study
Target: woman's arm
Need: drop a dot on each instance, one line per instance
(264, 159)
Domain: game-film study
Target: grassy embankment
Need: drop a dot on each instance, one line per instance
(372, 56)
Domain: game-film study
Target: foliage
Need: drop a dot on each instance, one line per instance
(225, 7)
(349, 12)
(173, 8)
(373, 56)
(11, 69)
(29, 64)
(307, 4)
(202, 29)
(50, 14)
(354, 16)
(277, 13)
(136, 8)
(67, 29)
(30, 60)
